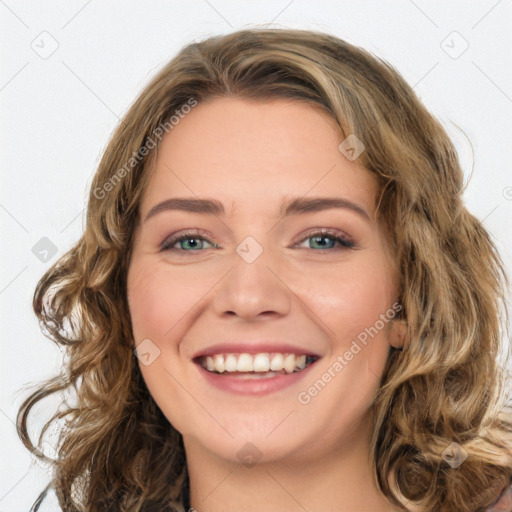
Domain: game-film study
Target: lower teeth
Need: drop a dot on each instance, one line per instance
(256, 375)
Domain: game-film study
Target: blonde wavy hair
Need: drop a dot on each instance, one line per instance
(118, 452)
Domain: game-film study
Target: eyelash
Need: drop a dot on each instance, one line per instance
(345, 242)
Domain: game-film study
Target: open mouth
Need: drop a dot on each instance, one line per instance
(255, 366)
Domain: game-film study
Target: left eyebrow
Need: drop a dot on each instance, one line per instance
(301, 205)
(294, 206)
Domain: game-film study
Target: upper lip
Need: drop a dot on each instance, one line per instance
(254, 347)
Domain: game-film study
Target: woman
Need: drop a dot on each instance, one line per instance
(279, 301)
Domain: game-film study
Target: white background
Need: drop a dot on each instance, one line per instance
(58, 113)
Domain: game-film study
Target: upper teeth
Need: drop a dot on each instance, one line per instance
(262, 362)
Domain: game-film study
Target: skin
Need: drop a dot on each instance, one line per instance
(251, 156)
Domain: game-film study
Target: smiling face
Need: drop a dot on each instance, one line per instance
(256, 276)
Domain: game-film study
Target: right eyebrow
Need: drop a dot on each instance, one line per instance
(211, 206)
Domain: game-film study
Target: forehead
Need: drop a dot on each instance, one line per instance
(252, 153)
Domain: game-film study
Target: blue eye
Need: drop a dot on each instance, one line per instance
(189, 239)
(320, 236)
(191, 242)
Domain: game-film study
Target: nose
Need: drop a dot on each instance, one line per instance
(252, 291)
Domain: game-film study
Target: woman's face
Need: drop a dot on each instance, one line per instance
(254, 276)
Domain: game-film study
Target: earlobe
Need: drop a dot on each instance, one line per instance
(398, 334)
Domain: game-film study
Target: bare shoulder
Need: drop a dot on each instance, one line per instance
(503, 503)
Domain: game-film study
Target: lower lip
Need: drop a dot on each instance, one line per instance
(261, 386)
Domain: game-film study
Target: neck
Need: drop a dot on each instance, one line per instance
(339, 478)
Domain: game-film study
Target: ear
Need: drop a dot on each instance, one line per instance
(398, 334)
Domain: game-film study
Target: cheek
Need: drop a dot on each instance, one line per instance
(355, 303)
(160, 307)
(144, 300)
(159, 301)
(350, 297)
